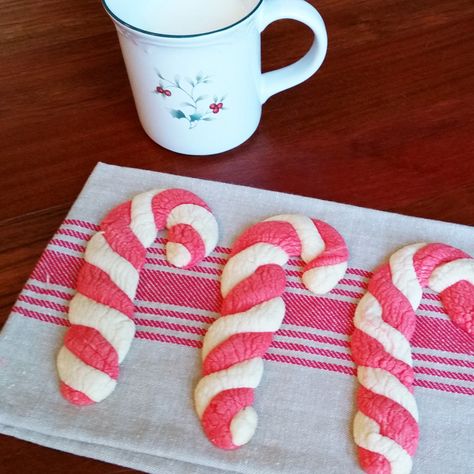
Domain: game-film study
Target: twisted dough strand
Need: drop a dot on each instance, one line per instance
(101, 312)
(252, 310)
(386, 424)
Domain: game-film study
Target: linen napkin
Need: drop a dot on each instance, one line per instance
(305, 401)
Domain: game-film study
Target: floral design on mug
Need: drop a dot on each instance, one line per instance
(195, 107)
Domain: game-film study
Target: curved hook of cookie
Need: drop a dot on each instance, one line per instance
(101, 312)
(386, 424)
(252, 283)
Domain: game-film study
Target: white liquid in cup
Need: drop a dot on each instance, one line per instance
(180, 17)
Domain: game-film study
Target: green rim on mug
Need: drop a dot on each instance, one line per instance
(152, 33)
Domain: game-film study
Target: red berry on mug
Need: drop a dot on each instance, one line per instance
(167, 92)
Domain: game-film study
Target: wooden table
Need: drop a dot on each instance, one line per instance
(387, 123)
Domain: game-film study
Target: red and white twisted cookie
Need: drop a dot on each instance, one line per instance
(252, 310)
(386, 425)
(101, 312)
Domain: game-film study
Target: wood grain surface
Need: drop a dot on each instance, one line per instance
(387, 123)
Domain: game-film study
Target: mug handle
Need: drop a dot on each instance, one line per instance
(276, 81)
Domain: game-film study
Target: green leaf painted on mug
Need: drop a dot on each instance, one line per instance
(179, 114)
(195, 117)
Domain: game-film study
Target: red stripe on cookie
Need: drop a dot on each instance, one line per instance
(396, 309)
(428, 258)
(280, 234)
(369, 352)
(237, 348)
(335, 250)
(395, 421)
(165, 201)
(266, 283)
(458, 299)
(97, 285)
(88, 345)
(218, 415)
(373, 463)
(74, 396)
(189, 237)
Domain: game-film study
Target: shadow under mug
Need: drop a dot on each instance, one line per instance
(202, 94)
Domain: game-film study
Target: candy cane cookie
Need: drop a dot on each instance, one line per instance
(386, 424)
(101, 312)
(252, 283)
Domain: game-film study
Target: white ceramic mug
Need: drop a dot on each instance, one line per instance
(195, 66)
